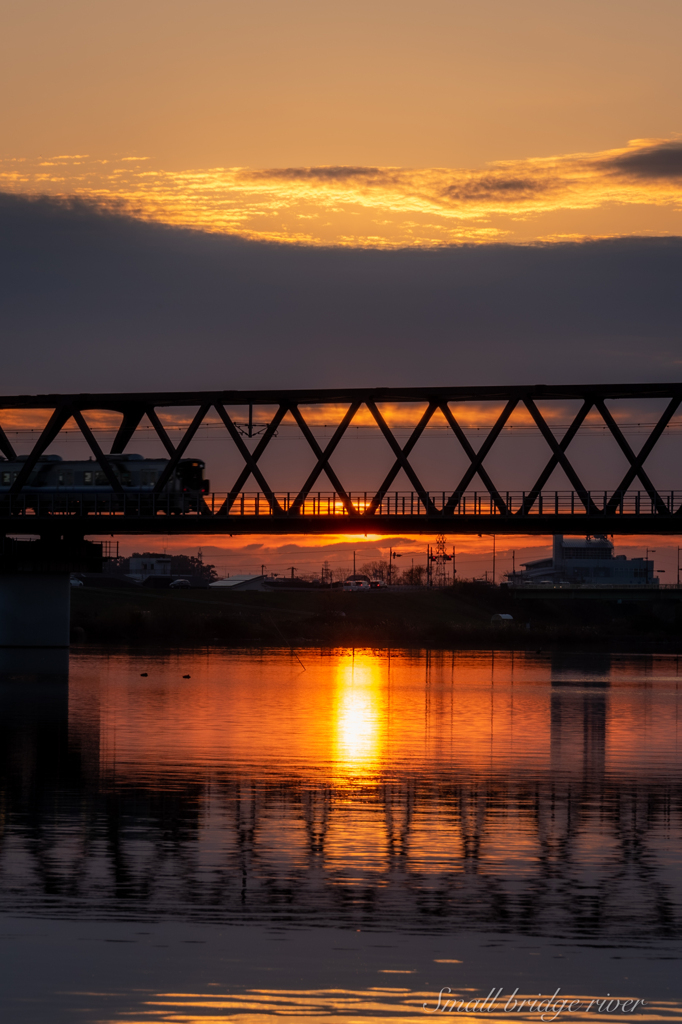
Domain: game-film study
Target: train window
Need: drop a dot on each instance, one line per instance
(191, 474)
(65, 478)
(149, 476)
(87, 476)
(100, 479)
(7, 478)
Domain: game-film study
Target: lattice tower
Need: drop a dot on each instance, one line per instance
(440, 559)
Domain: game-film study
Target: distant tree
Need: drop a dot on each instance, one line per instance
(189, 565)
(376, 570)
(415, 576)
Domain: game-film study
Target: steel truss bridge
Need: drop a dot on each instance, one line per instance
(252, 506)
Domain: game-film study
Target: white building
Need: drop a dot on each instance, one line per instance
(590, 560)
(140, 568)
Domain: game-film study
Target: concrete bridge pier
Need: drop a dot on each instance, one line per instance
(35, 609)
(35, 589)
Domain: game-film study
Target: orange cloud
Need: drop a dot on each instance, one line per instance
(544, 198)
(472, 416)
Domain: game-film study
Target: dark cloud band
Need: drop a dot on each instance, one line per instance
(655, 162)
(91, 300)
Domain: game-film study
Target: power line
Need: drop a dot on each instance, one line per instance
(290, 432)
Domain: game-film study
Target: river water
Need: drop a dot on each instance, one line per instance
(339, 835)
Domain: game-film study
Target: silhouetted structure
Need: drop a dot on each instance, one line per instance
(118, 507)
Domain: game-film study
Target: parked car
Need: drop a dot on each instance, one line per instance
(377, 584)
(75, 582)
(180, 585)
(356, 583)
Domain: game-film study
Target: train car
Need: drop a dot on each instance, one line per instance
(83, 482)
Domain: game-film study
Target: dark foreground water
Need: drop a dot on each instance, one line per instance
(237, 836)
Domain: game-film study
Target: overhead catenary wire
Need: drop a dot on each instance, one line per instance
(290, 432)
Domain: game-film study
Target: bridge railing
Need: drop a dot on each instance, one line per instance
(254, 504)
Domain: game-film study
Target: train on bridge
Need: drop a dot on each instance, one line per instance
(84, 481)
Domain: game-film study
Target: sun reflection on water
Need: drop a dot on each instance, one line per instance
(360, 715)
(391, 1005)
(442, 794)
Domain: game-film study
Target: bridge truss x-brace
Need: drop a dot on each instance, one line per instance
(135, 407)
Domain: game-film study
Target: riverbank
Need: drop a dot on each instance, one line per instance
(454, 617)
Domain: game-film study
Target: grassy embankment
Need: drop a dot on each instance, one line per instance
(456, 617)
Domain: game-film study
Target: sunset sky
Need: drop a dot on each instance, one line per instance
(238, 194)
(382, 122)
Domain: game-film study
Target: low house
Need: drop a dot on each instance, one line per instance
(240, 582)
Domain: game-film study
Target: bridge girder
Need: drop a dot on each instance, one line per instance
(589, 516)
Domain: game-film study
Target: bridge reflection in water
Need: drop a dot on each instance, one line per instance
(412, 791)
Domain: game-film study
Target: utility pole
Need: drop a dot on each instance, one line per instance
(678, 567)
(354, 563)
(646, 561)
(494, 553)
(391, 555)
